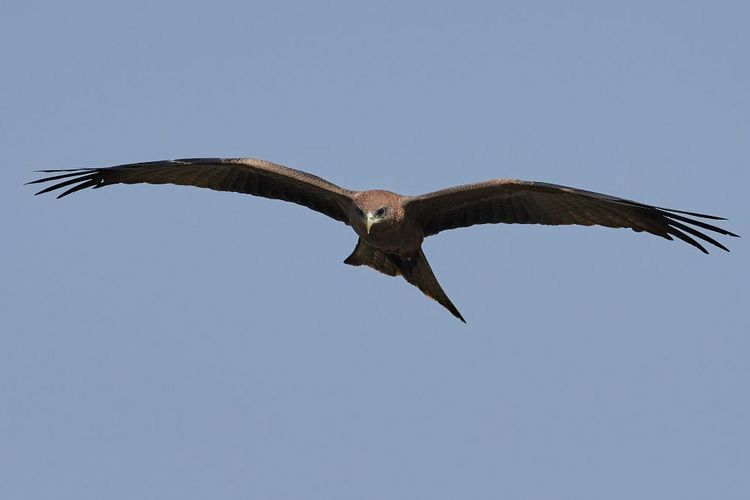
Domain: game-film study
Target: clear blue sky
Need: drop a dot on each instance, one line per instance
(167, 342)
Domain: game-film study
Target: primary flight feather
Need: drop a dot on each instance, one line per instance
(390, 226)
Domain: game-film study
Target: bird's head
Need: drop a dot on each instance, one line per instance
(375, 207)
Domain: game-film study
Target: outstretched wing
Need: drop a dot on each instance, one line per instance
(240, 175)
(524, 202)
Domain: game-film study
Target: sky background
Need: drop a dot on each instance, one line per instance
(167, 342)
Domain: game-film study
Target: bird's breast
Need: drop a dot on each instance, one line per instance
(400, 238)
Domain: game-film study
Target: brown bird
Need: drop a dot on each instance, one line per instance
(390, 226)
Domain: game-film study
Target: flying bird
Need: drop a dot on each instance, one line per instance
(390, 226)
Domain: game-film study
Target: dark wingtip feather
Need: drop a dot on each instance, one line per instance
(700, 224)
(697, 234)
(82, 178)
(63, 169)
(62, 184)
(84, 185)
(677, 222)
(687, 239)
(692, 214)
(70, 173)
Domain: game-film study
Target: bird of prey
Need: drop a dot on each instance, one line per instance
(390, 226)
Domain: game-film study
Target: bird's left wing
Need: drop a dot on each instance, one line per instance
(240, 175)
(525, 202)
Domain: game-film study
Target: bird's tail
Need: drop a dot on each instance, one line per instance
(416, 270)
(365, 255)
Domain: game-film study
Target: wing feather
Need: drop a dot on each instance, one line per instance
(525, 202)
(239, 175)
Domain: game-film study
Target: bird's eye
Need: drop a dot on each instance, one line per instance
(380, 212)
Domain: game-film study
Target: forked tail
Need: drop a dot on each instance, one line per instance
(416, 270)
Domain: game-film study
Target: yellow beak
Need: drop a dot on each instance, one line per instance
(369, 221)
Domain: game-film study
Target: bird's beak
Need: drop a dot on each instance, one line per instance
(369, 221)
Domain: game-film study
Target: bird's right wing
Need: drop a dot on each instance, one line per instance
(240, 175)
(525, 202)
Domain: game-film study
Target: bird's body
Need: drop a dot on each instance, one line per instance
(391, 227)
(396, 233)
